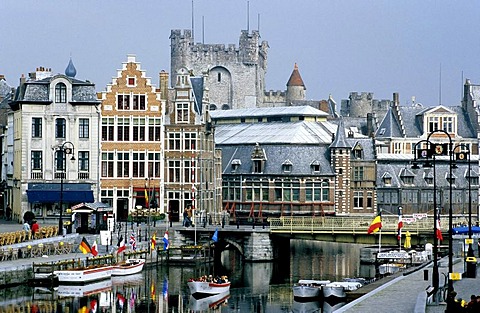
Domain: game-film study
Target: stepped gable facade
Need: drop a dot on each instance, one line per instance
(132, 142)
(192, 163)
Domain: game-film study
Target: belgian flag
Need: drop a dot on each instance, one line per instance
(84, 246)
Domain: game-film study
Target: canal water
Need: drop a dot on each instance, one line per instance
(256, 287)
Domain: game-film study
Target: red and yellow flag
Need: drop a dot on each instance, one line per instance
(146, 197)
(376, 224)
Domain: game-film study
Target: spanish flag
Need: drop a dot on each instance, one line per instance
(154, 241)
(376, 224)
(84, 246)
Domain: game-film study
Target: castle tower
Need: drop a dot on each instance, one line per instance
(236, 75)
(295, 87)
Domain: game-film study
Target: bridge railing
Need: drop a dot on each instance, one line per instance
(350, 224)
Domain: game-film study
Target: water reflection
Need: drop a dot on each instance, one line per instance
(256, 287)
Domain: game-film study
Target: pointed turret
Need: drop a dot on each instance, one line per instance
(295, 87)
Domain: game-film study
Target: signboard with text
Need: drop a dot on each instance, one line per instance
(393, 255)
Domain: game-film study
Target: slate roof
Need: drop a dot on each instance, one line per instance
(301, 157)
(38, 91)
(340, 138)
(197, 86)
(413, 119)
(442, 171)
(4, 88)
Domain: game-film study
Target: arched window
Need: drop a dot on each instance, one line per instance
(60, 93)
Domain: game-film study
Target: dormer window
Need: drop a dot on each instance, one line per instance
(472, 178)
(287, 166)
(407, 176)
(60, 93)
(451, 180)
(428, 178)
(315, 166)
(433, 123)
(236, 164)
(387, 179)
(357, 152)
(258, 159)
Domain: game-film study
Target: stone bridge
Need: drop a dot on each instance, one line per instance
(260, 242)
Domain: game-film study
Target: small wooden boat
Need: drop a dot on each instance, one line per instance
(206, 286)
(129, 267)
(309, 288)
(84, 275)
(338, 289)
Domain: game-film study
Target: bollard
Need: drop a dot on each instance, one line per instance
(425, 274)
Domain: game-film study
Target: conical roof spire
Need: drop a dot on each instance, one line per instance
(70, 71)
(340, 139)
(295, 78)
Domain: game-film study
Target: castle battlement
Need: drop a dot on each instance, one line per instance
(236, 72)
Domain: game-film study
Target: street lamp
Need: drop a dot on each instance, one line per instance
(65, 149)
(425, 154)
(447, 149)
(463, 154)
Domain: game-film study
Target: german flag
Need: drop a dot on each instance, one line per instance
(84, 246)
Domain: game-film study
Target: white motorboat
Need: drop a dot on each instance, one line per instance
(128, 267)
(84, 275)
(208, 287)
(338, 289)
(309, 288)
(206, 303)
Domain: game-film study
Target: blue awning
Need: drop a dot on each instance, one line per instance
(464, 230)
(50, 193)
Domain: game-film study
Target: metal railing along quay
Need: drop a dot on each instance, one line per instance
(352, 224)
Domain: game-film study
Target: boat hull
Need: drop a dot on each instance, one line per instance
(130, 267)
(83, 276)
(307, 291)
(308, 288)
(339, 289)
(208, 288)
(333, 291)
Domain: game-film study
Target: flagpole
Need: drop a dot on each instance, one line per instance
(380, 235)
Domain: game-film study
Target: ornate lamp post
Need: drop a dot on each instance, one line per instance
(424, 154)
(65, 149)
(447, 149)
(462, 155)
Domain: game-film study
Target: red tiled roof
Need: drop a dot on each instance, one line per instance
(295, 78)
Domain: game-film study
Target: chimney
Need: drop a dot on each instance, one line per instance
(163, 85)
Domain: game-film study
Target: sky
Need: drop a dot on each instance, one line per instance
(425, 49)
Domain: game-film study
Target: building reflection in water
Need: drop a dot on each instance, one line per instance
(256, 286)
